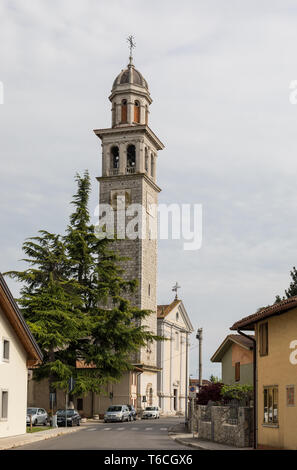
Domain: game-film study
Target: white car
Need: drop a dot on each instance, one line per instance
(151, 412)
(37, 415)
(117, 413)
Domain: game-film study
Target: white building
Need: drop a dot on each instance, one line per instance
(174, 325)
(18, 351)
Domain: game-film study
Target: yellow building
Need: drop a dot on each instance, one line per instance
(276, 373)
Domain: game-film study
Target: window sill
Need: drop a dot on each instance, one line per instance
(270, 425)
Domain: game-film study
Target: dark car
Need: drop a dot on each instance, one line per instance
(133, 413)
(73, 418)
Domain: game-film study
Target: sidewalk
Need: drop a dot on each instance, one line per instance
(179, 435)
(23, 439)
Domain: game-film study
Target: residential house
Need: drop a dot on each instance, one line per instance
(18, 351)
(275, 330)
(235, 354)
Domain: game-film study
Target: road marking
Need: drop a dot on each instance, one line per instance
(92, 429)
(120, 429)
(148, 429)
(134, 429)
(106, 429)
(163, 429)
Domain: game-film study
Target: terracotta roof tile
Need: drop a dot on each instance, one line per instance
(164, 310)
(275, 309)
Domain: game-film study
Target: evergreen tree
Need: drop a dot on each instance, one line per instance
(292, 290)
(51, 304)
(73, 299)
(114, 325)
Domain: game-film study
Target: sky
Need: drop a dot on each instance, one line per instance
(219, 74)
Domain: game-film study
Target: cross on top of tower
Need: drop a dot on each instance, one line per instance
(175, 288)
(132, 45)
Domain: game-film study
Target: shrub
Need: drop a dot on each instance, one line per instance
(237, 392)
(210, 392)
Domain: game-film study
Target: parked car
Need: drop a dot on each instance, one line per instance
(151, 412)
(117, 413)
(38, 416)
(73, 418)
(133, 413)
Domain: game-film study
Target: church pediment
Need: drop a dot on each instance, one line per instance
(176, 314)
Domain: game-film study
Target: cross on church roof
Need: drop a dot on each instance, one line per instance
(175, 288)
(132, 45)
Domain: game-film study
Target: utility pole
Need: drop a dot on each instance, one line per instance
(187, 383)
(199, 337)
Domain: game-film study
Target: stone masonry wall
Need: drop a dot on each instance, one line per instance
(226, 426)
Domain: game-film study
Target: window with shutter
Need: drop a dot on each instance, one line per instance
(263, 339)
(237, 371)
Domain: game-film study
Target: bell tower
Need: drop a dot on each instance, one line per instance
(129, 169)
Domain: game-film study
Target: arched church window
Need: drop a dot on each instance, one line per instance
(131, 157)
(137, 111)
(149, 394)
(124, 111)
(152, 166)
(151, 397)
(115, 157)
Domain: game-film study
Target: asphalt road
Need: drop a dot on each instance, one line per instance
(137, 435)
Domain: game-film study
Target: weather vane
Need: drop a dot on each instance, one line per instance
(132, 44)
(175, 288)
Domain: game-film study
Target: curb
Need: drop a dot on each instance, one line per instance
(40, 437)
(188, 444)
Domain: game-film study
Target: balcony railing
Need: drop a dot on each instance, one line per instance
(130, 169)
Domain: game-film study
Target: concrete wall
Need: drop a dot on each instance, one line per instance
(226, 426)
(13, 378)
(277, 369)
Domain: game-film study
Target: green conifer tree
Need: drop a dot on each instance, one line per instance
(74, 301)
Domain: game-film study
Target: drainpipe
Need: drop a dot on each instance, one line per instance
(254, 384)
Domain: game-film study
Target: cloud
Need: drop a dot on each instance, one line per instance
(219, 76)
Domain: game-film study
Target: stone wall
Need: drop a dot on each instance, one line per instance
(226, 424)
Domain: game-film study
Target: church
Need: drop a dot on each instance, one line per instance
(129, 172)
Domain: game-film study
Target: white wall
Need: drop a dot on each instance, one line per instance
(13, 378)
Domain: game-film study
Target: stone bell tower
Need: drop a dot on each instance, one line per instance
(129, 164)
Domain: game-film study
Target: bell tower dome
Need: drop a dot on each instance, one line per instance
(130, 98)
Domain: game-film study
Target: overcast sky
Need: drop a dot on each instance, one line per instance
(219, 75)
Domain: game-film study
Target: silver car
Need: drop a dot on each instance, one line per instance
(37, 415)
(117, 413)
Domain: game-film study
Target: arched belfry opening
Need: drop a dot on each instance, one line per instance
(115, 158)
(124, 111)
(131, 158)
(137, 112)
